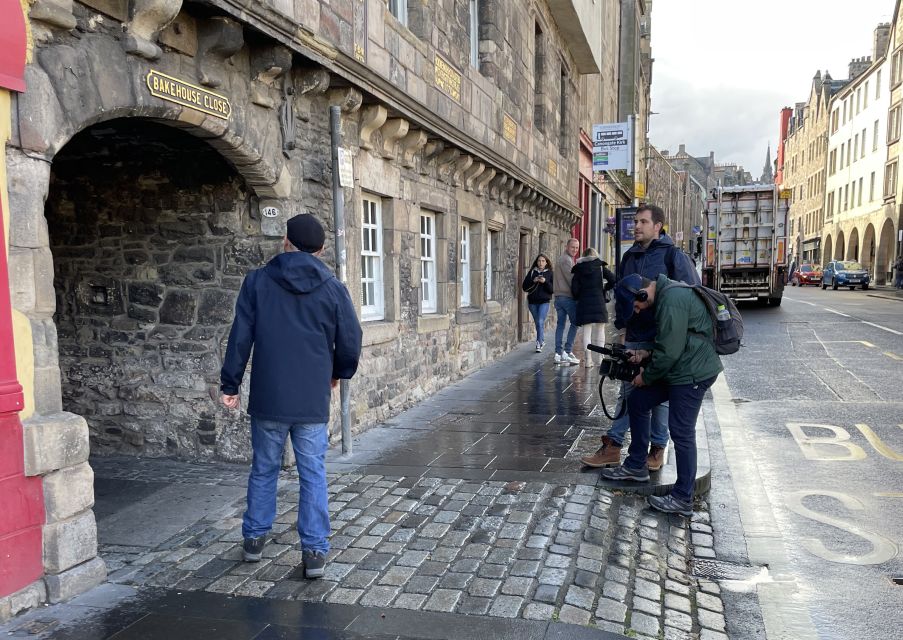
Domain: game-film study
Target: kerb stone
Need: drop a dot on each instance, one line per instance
(76, 580)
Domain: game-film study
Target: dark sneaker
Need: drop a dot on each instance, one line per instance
(670, 504)
(625, 473)
(314, 564)
(253, 548)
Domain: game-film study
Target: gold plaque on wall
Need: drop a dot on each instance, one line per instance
(188, 95)
(509, 129)
(448, 79)
(553, 168)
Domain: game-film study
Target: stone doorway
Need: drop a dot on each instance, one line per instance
(151, 235)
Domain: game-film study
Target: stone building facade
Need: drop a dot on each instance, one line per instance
(680, 195)
(143, 189)
(858, 223)
(805, 168)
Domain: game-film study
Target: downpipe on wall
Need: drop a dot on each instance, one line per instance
(338, 212)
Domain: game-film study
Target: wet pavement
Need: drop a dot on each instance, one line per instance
(472, 506)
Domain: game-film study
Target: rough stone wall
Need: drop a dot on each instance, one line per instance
(150, 249)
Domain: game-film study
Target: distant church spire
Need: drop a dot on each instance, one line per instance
(768, 172)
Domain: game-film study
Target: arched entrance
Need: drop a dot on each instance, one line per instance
(853, 247)
(869, 249)
(887, 243)
(829, 246)
(150, 235)
(839, 249)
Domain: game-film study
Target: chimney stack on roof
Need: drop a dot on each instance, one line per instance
(882, 38)
(858, 66)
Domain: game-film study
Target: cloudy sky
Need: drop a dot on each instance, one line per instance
(724, 68)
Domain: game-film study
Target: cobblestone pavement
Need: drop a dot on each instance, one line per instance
(575, 553)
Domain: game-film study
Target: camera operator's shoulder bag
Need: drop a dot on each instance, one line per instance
(728, 331)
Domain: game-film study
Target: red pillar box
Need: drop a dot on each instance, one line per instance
(21, 498)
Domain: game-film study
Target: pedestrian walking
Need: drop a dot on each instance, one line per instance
(565, 305)
(652, 254)
(683, 365)
(590, 285)
(898, 267)
(305, 335)
(538, 285)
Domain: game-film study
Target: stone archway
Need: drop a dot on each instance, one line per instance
(840, 247)
(869, 250)
(827, 256)
(853, 245)
(150, 233)
(884, 262)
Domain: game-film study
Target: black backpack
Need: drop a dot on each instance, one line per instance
(728, 333)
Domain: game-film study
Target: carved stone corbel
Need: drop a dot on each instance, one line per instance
(512, 196)
(413, 142)
(315, 81)
(348, 99)
(471, 175)
(146, 19)
(392, 131)
(219, 38)
(483, 183)
(520, 202)
(497, 183)
(461, 166)
(268, 64)
(445, 162)
(372, 118)
(505, 189)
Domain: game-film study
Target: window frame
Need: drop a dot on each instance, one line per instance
(474, 27)
(399, 9)
(465, 235)
(429, 285)
(376, 311)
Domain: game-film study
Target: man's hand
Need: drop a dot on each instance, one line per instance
(231, 402)
(638, 355)
(638, 381)
(334, 383)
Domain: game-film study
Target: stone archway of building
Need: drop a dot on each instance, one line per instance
(840, 247)
(886, 254)
(869, 250)
(853, 245)
(150, 234)
(829, 246)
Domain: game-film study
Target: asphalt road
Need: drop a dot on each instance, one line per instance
(811, 418)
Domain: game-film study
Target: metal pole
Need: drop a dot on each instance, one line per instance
(338, 212)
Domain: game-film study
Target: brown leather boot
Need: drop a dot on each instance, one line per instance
(656, 458)
(609, 454)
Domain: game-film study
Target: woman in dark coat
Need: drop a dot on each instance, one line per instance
(590, 283)
(538, 285)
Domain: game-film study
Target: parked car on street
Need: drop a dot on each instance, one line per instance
(844, 273)
(806, 274)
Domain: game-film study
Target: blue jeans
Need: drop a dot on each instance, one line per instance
(619, 427)
(310, 442)
(539, 313)
(898, 282)
(566, 308)
(685, 401)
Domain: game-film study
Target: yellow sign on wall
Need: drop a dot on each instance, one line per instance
(188, 95)
(639, 190)
(509, 129)
(448, 79)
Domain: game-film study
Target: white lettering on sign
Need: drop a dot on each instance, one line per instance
(346, 168)
(270, 212)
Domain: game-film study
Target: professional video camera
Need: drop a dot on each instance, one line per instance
(616, 365)
(616, 362)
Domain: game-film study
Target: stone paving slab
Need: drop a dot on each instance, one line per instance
(574, 553)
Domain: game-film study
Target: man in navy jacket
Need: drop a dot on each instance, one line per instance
(305, 335)
(653, 254)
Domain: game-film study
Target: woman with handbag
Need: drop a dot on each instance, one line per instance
(590, 286)
(538, 285)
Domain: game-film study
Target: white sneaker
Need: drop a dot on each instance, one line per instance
(538, 348)
(558, 358)
(571, 358)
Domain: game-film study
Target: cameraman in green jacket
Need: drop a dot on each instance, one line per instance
(682, 367)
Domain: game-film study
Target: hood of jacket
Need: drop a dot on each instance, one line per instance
(663, 241)
(298, 271)
(591, 259)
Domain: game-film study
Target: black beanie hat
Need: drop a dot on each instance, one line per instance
(306, 233)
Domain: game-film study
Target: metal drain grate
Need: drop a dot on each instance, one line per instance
(720, 570)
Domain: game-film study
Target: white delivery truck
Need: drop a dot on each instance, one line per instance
(745, 253)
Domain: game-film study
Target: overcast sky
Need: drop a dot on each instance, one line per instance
(724, 69)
